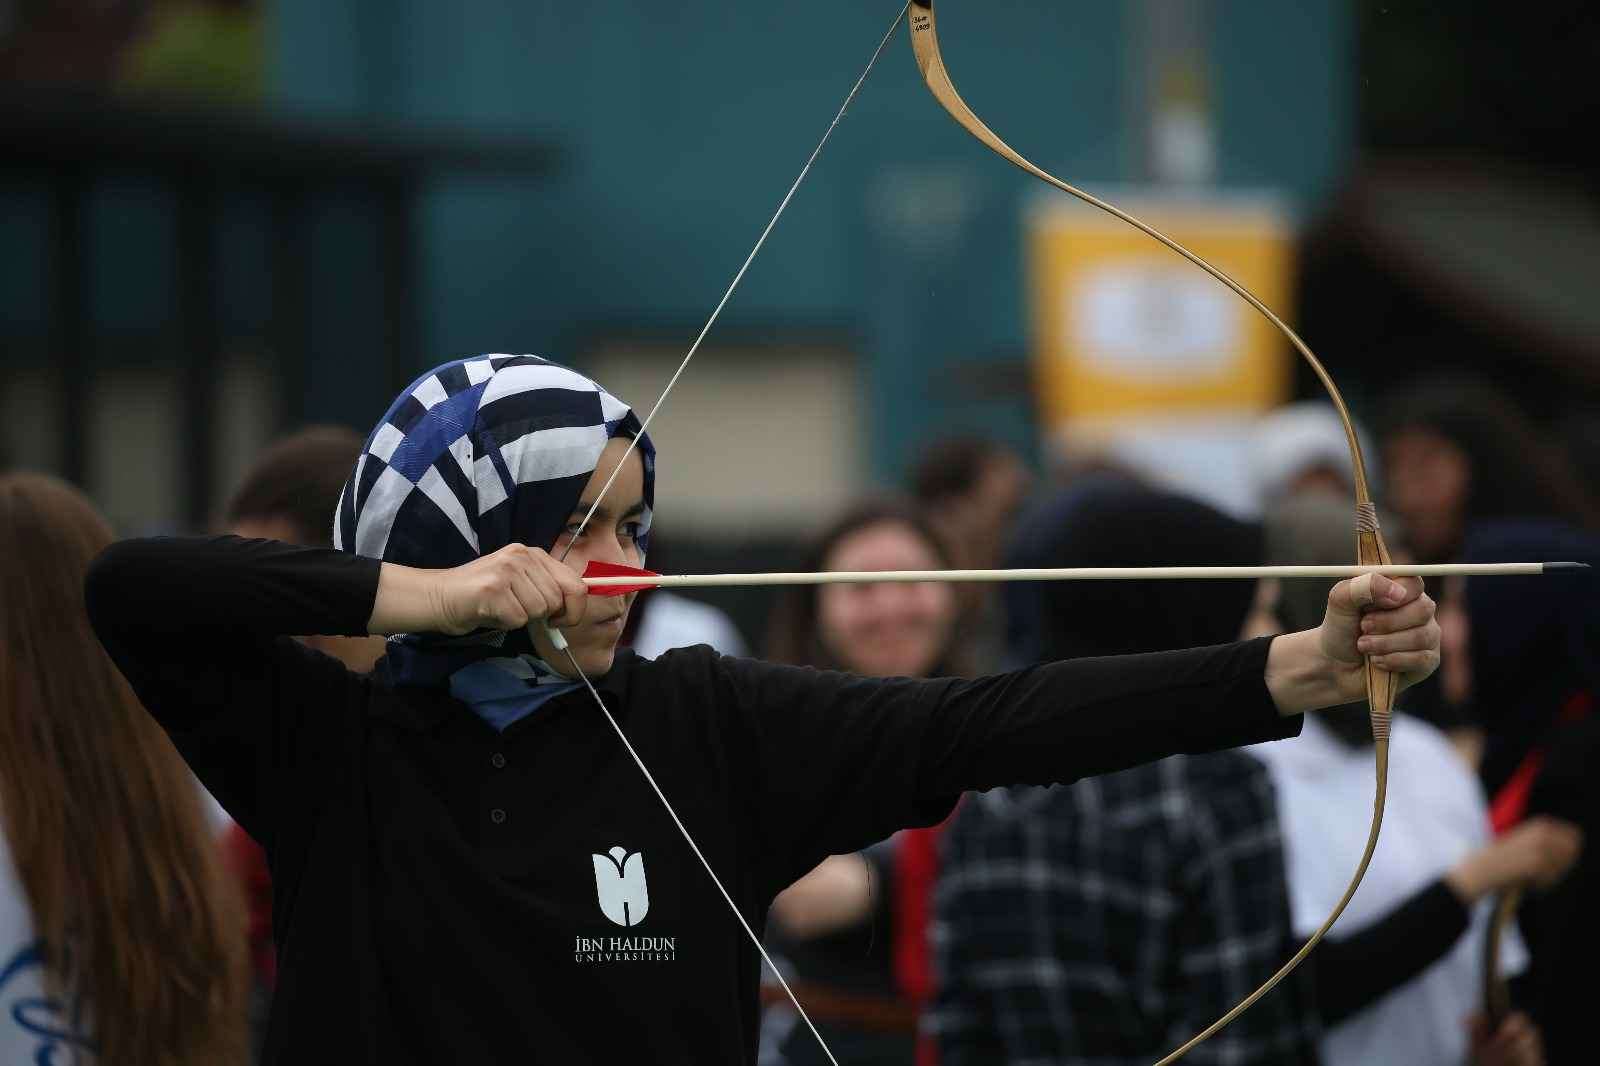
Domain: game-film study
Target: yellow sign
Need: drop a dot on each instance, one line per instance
(1126, 331)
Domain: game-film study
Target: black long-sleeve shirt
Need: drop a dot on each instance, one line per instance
(447, 893)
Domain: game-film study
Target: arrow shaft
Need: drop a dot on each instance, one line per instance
(1078, 573)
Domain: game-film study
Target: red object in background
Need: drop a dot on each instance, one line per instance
(1510, 804)
(248, 863)
(916, 860)
(596, 568)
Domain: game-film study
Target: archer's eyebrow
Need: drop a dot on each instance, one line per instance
(603, 513)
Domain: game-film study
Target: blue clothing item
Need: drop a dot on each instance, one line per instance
(504, 691)
(476, 455)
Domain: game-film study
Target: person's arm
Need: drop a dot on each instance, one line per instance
(202, 627)
(835, 762)
(837, 894)
(1390, 621)
(199, 627)
(1353, 972)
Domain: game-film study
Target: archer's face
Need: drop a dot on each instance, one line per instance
(611, 536)
(887, 630)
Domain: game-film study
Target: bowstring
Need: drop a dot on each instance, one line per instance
(606, 488)
(743, 924)
(737, 278)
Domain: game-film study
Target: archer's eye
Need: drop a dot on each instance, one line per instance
(631, 530)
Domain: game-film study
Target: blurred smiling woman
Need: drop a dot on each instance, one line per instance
(119, 936)
(854, 929)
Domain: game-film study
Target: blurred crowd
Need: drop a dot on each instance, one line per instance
(1104, 921)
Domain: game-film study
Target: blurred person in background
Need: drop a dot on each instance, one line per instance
(434, 822)
(1456, 452)
(1580, 434)
(1301, 449)
(289, 495)
(661, 620)
(1399, 979)
(1110, 920)
(120, 937)
(854, 929)
(1525, 652)
(972, 490)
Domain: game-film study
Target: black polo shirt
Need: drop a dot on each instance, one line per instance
(447, 893)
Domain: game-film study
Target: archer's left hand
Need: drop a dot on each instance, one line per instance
(1390, 619)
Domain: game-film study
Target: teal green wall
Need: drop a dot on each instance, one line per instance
(686, 122)
(683, 125)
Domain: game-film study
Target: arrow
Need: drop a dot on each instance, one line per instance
(613, 579)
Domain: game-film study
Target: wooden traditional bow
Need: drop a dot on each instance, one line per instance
(1370, 548)
(1496, 996)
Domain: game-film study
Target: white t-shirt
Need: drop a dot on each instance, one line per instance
(673, 621)
(34, 1027)
(1435, 815)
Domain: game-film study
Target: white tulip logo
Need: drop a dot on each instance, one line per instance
(619, 882)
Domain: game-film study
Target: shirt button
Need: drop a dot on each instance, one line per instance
(497, 761)
(497, 816)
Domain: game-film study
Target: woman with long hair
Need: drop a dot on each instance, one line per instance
(120, 942)
(854, 929)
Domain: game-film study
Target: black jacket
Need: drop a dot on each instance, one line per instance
(447, 893)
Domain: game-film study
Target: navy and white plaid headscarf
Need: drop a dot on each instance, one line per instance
(475, 455)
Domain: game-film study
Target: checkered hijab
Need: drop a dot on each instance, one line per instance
(475, 455)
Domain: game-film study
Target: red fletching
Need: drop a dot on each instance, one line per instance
(597, 568)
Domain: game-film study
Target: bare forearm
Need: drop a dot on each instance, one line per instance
(838, 893)
(407, 601)
(1300, 677)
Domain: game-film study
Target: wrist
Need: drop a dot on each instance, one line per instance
(1468, 881)
(1299, 676)
(409, 600)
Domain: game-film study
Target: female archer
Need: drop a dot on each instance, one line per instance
(468, 867)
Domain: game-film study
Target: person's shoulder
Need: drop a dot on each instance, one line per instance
(697, 669)
(683, 661)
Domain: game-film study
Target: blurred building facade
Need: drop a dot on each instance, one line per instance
(895, 280)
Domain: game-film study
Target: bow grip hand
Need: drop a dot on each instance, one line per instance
(1379, 635)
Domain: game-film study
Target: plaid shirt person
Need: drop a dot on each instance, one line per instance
(1108, 921)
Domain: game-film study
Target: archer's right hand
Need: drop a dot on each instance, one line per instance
(507, 590)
